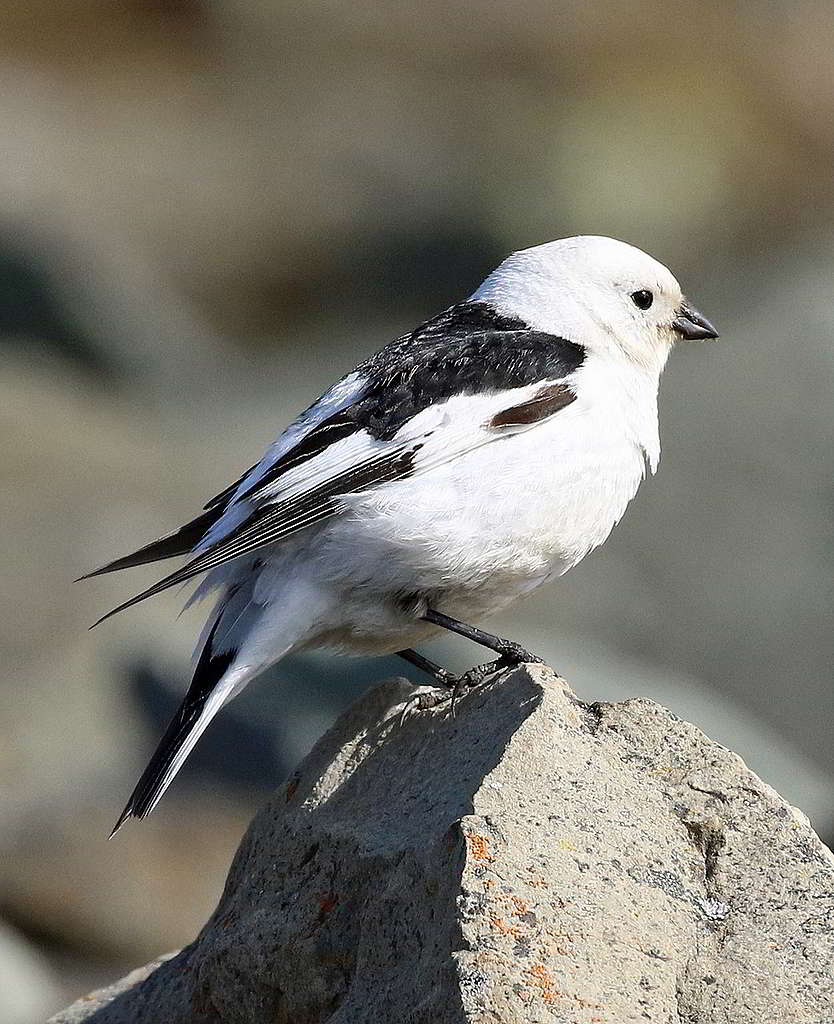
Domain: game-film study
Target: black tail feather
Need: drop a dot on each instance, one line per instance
(209, 671)
(150, 781)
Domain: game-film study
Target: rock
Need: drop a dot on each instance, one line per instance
(531, 858)
(87, 1005)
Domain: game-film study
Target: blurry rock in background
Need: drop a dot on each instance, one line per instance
(210, 210)
(29, 988)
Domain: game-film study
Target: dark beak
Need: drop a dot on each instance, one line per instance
(691, 326)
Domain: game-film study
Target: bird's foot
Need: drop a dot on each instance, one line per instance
(426, 701)
(453, 687)
(511, 653)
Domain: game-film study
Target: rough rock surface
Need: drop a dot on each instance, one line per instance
(530, 859)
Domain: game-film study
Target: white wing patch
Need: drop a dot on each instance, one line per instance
(338, 398)
(342, 395)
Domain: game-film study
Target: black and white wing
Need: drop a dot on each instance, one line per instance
(459, 381)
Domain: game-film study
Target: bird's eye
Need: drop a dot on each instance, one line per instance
(642, 299)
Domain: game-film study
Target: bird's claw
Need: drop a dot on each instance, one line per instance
(514, 654)
(507, 659)
(424, 701)
(454, 686)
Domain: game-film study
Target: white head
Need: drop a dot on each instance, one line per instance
(600, 293)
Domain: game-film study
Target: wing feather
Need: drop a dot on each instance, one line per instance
(276, 521)
(180, 542)
(287, 451)
(292, 495)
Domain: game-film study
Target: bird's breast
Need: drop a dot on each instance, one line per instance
(522, 507)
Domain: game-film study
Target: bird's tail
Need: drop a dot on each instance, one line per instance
(242, 637)
(215, 681)
(201, 704)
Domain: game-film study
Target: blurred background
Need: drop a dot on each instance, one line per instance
(209, 210)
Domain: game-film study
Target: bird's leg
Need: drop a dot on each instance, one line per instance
(442, 676)
(509, 652)
(450, 684)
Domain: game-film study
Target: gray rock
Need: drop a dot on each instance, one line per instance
(530, 859)
(83, 1008)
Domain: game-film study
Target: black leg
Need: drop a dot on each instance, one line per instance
(510, 652)
(452, 685)
(440, 675)
(448, 682)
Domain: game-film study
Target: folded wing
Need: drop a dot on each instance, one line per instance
(461, 380)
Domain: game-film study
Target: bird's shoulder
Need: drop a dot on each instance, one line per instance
(468, 349)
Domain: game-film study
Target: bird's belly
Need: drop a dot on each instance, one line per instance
(499, 519)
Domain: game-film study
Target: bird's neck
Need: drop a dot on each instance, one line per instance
(627, 392)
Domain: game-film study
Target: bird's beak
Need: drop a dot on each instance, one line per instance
(691, 326)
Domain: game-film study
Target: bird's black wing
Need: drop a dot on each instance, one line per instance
(470, 349)
(274, 519)
(180, 542)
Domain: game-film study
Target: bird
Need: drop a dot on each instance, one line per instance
(464, 464)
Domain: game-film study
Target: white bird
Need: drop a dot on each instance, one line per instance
(463, 465)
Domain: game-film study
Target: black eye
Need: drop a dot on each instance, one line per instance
(642, 299)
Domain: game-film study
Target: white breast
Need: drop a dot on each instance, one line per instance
(520, 508)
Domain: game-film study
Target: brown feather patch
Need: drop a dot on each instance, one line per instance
(544, 403)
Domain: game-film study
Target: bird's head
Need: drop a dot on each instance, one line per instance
(600, 293)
